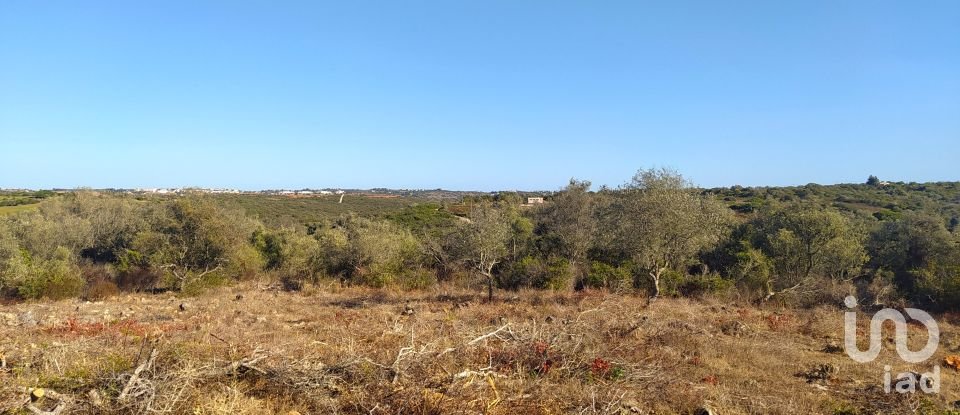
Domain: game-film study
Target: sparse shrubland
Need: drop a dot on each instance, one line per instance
(657, 235)
(485, 306)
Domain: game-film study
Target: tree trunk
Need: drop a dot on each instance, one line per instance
(577, 276)
(488, 272)
(770, 292)
(655, 276)
(489, 288)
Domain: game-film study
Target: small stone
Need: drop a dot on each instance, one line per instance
(95, 398)
(929, 383)
(832, 348)
(704, 410)
(633, 406)
(821, 372)
(734, 328)
(28, 319)
(183, 307)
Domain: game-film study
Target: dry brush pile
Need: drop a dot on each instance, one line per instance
(253, 350)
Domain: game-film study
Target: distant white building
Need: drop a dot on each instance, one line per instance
(286, 192)
(534, 200)
(304, 192)
(326, 192)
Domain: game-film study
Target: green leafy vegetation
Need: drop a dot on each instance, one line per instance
(310, 211)
(657, 234)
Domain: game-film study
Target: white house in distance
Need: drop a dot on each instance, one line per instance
(534, 200)
(160, 191)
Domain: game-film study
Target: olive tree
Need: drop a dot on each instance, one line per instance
(913, 243)
(570, 223)
(94, 226)
(53, 226)
(192, 238)
(294, 255)
(663, 222)
(485, 240)
(375, 252)
(113, 221)
(805, 242)
(25, 275)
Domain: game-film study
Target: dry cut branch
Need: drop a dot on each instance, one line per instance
(132, 387)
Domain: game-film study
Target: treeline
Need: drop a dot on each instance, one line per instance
(881, 200)
(656, 235)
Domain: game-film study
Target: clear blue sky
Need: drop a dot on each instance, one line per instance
(475, 94)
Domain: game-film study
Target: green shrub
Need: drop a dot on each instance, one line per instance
(559, 275)
(56, 278)
(603, 275)
(518, 273)
(553, 273)
(369, 252)
(245, 263)
(939, 284)
(196, 283)
(887, 215)
(694, 285)
(419, 278)
(100, 290)
(670, 282)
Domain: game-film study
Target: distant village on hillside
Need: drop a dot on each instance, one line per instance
(283, 192)
(434, 194)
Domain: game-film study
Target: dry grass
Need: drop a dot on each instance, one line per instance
(250, 350)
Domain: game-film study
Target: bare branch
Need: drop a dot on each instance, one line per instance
(488, 335)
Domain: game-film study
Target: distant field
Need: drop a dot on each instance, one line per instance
(6, 210)
(19, 201)
(284, 210)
